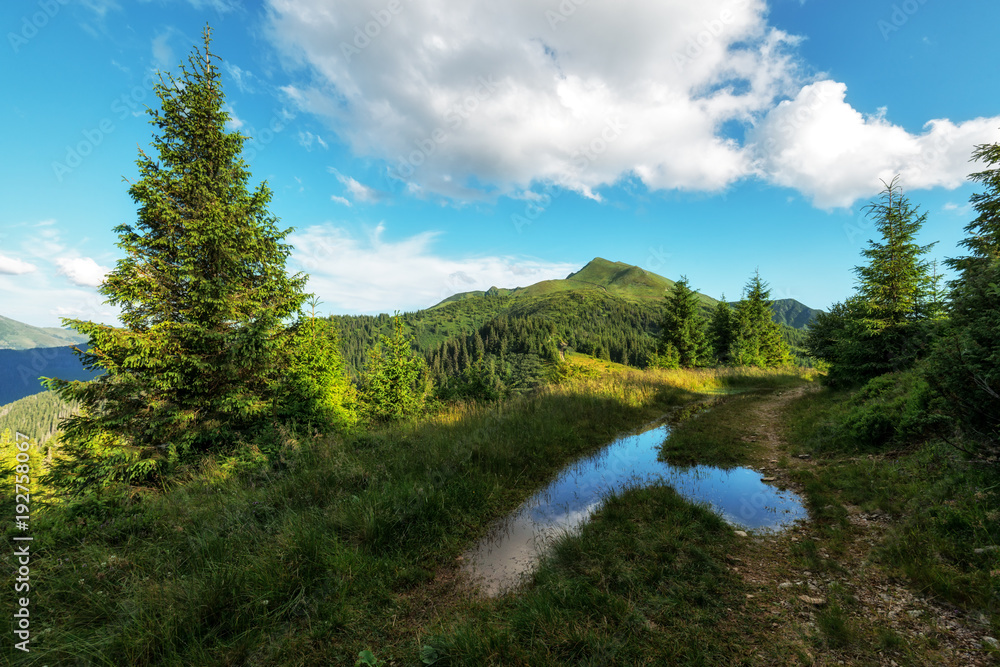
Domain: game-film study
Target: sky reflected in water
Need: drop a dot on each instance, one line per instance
(514, 546)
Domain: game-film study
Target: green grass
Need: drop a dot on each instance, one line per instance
(347, 544)
(645, 583)
(317, 559)
(941, 508)
(722, 439)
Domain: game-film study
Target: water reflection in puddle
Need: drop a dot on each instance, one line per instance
(514, 545)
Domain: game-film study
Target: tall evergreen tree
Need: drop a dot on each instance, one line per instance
(202, 289)
(392, 384)
(965, 365)
(887, 324)
(893, 285)
(721, 330)
(757, 339)
(683, 332)
(315, 390)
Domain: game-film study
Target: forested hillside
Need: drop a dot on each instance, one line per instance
(610, 310)
(35, 416)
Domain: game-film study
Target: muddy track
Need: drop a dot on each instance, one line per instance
(791, 603)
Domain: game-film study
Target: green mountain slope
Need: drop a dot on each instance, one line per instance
(16, 335)
(37, 416)
(617, 278)
(793, 314)
(609, 309)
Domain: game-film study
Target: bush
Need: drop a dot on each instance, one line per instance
(892, 409)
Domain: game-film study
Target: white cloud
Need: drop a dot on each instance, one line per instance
(340, 200)
(508, 96)
(101, 7)
(82, 271)
(376, 275)
(220, 6)
(241, 77)
(306, 140)
(488, 99)
(163, 55)
(15, 266)
(820, 145)
(234, 122)
(359, 191)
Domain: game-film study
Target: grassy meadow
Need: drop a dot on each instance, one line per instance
(353, 544)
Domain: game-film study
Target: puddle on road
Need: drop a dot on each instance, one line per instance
(514, 546)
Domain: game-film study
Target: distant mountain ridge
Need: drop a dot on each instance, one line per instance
(21, 370)
(16, 335)
(606, 307)
(631, 283)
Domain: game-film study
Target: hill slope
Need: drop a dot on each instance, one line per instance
(623, 280)
(16, 335)
(609, 309)
(37, 416)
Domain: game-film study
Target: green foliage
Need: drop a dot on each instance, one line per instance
(944, 524)
(393, 385)
(316, 392)
(756, 337)
(683, 332)
(892, 409)
(37, 415)
(203, 293)
(965, 366)
(21, 458)
(506, 356)
(668, 358)
(886, 325)
(721, 330)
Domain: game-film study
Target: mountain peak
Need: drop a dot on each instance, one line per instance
(598, 267)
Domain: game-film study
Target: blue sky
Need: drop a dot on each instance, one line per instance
(421, 149)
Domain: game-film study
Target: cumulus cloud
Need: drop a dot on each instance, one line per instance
(82, 271)
(491, 98)
(373, 274)
(487, 99)
(15, 266)
(820, 145)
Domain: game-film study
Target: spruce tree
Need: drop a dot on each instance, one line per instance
(757, 339)
(203, 294)
(892, 286)
(683, 334)
(392, 384)
(965, 366)
(721, 330)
